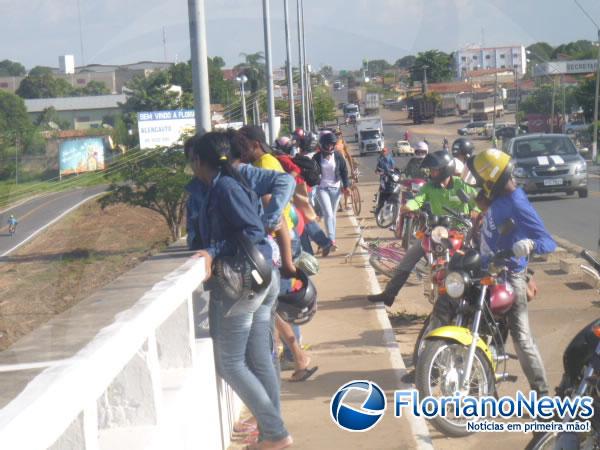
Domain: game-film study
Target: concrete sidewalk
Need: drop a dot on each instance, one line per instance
(349, 340)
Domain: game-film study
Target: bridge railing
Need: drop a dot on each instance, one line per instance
(130, 367)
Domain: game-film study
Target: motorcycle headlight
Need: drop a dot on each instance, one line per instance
(395, 177)
(439, 234)
(455, 284)
(519, 172)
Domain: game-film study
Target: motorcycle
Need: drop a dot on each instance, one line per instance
(404, 224)
(468, 359)
(387, 199)
(581, 361)
(441, 239)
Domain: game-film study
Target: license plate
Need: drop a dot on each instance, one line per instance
(553, 182)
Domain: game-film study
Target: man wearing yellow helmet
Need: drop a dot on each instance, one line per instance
(493, 171)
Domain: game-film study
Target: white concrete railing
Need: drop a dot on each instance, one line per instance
(144, 381)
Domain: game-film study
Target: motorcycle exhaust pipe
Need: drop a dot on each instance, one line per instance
(506, 377)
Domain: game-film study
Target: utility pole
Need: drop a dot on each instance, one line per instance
(199, 65)
(269, 68)
(425, 79)
(564, 104)
(80, 33)
(306, 69)
(17, 143)
(552, 107)
(301, 63)
(595, 137)
(517, 94)
(290, 79)
(494, 118)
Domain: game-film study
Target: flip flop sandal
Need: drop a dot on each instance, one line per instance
(244, 427)
(303, 375)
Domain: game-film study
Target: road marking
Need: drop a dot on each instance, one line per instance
(56, 219)
(417, 424)
(30, 212)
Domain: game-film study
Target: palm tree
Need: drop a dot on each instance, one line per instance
(254, 68)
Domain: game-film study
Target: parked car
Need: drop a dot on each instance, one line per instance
(388, 102)
(403, 148)
(546, 163)
(473, 128)
(575, 126)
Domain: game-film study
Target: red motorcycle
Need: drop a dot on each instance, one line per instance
(404, 225)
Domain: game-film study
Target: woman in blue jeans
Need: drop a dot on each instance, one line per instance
(242, 337)
(334, 180)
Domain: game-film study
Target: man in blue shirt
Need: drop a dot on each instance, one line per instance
(493, 171)
(385, 163)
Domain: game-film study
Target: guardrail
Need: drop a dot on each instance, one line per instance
(130, 367)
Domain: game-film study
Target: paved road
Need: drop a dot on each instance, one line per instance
(574, 219)
(38, 212)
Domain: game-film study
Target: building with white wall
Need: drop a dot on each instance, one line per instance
(66, 64)
(508, 57)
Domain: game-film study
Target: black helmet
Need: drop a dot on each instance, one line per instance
(326, 140)
(442, 161)
(300, 306)
(245, 274)
(462, 146)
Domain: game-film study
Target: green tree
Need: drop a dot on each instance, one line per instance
(10, 68)
(39, 71)
(584, 95)
(156, 182)
(540, 100)
(44, 85)
(14, 120)
(49, 120)
(378, 66)
(539, 52)
(437, 64)
(323, 104)
(92, 88)
(254, 69)
(406, 62)
(220, 89)
(581, 49)
(327, 72)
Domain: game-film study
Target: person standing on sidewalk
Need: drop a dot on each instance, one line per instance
(334, 180)
(241, 337)
(441, 190)
(493, 171)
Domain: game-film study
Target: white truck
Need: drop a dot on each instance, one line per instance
(369, 135)
(371, 103)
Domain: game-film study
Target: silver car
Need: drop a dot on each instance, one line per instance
(546, 163)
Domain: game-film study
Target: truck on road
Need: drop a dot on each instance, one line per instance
(423, 109)
(355, 96)
(483, 109)
(372, 103)
(369, 135)
(351, 112)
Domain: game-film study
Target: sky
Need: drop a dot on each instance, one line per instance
(338, 32)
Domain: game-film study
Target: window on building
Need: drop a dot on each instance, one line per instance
(83, 119)
(475, 57)
(463, 59)
(501, 55)
(488, 56)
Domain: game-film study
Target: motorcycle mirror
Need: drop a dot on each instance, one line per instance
(507, 227)
(427, 208)
(464, 197)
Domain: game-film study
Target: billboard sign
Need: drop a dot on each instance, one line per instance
(566, 67)
(81, 155)
(164, 128)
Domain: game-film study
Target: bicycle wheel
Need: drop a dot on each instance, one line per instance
(356, 201)
(384, 266)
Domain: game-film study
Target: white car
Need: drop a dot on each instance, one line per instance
(403, 148)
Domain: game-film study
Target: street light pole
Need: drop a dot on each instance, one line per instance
(290, 80)
(242, 80)
(517, 101)
(494, 117)
(306, 70)
(552, 107)
(301, 63)
(269, 68)
(595, 137)
(199, 58)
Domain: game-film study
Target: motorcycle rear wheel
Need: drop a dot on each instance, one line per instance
(386, 215)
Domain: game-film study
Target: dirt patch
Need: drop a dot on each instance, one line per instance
(73, 258)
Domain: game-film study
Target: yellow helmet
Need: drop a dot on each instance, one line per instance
(492, 169)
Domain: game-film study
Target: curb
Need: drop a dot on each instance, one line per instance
(569, 246)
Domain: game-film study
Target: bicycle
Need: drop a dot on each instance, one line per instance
(12, 229)
(355, 192)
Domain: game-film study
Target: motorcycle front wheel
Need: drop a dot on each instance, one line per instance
(440, 368)
(386, 215)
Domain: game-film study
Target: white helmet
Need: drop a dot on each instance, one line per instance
(421, 149)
